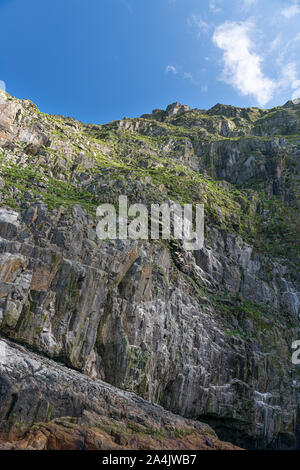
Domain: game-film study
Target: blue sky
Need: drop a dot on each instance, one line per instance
(99, 60)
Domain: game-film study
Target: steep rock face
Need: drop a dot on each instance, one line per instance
(206, 334)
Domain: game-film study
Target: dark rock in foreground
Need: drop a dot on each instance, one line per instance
(44, 405)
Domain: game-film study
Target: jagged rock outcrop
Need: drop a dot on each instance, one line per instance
(205, 334)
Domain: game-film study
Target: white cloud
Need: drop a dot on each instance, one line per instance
(289, 74)
(2, 85)
(171, 69)
(214, 5)
(289, 64)
(248, 3)
(275, 43)
(296, 93)
(196, 21)
(242, 66)
(188, 76)
(180, 73)
(292, 10)
(291, 80)
(245, 5)
(290, 48)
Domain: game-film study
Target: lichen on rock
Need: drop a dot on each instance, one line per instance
(205, 334)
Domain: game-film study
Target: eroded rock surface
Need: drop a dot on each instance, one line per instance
(55, 408)
(205, 334)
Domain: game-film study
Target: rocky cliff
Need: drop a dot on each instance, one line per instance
(205, 334)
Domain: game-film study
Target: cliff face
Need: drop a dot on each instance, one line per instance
(205, 334)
